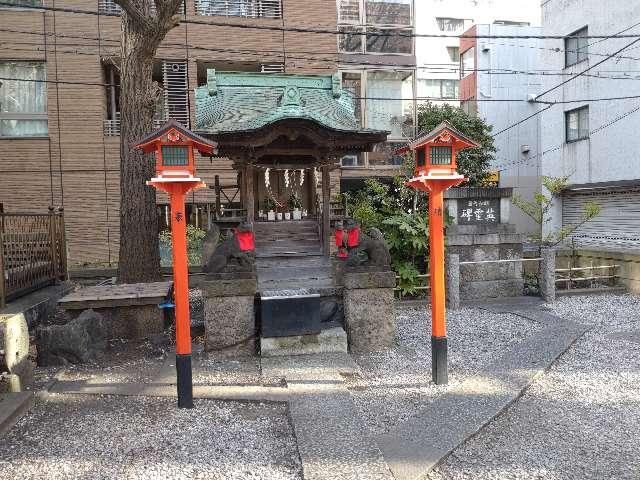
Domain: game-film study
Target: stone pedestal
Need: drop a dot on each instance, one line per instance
(229, 316)
(369, 310)
(481, 232)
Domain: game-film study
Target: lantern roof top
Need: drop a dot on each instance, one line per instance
(148, 143)
(421, 139)
(233, 102)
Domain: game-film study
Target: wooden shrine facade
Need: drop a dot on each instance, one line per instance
(283, 123)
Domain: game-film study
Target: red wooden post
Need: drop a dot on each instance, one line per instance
(175, 169)
(435, 157)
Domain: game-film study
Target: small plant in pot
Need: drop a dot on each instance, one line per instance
(295, 204)
(269, 206)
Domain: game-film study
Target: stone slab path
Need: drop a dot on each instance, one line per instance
(12, 407)
(330, 433)
(415, 446)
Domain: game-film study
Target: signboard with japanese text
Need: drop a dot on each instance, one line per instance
(478, 211)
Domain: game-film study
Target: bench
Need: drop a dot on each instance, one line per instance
(130, 309)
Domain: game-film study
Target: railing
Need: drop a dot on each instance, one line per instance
(111, 128)
(32, 252)
(228, 202)
(240, 8)
(573, 277)
(339, 210)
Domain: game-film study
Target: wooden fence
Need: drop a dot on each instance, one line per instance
(33, 252)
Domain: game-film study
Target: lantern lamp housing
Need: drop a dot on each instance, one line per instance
(436, 152)
(174, 147)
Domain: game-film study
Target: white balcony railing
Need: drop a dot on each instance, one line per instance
(111, 128)
(240, 8)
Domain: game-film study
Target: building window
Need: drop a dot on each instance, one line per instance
(22, 3)
(352, 83)
(577, 124)
(355, 160)
(376, 40)
(23, 101)
(389, 103)
(576, 47)
(375, 12)
(454, 54)
(389, 41)
(467, 62)
(172, 103)
(440, 155)
(420, 157)
(240, 8)
(450, 24)
(438, 88)
(388, 12)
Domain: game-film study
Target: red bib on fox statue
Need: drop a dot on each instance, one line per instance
(246, 240)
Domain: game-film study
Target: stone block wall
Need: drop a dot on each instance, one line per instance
(369, 310)
(477, 243)
(229, 316)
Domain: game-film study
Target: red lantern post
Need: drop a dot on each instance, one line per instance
(435, 171)
(176, 175)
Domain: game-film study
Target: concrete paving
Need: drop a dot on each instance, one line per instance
(415, 446)
(12, 407)
(329, 430)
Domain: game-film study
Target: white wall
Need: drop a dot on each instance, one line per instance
(498, 61)
(613, 153)
(431, 53)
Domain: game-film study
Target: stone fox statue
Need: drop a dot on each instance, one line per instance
(236, 253)
(373, 245)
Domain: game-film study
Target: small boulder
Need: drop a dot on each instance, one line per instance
(79, 341)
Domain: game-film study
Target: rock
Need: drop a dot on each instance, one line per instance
(79, 341)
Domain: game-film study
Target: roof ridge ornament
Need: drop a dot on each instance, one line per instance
(212, 82)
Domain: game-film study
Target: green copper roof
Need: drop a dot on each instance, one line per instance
(235, 102)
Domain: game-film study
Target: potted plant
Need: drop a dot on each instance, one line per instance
(295, 203)
(269, 206)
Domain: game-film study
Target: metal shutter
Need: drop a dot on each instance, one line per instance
(176, 91)
(617, 226)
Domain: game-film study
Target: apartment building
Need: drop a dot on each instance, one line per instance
(376, 56)
(494, 70)
(438, 59)
(59, 100)
(590, 140)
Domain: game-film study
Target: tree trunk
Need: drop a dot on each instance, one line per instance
(142, 32)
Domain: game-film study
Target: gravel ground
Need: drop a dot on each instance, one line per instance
(107, 437)
(581, 420)
(393, 385)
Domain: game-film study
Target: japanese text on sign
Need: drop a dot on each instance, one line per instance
(479, 212)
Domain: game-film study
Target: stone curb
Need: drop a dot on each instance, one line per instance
(245, 393)
(415, 447)
(12, 407)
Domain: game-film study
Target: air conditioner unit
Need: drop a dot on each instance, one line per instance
(525, 148)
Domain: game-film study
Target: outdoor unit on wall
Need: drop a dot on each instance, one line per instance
(176, 91)
(525, 149)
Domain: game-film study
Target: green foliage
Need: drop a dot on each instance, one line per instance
(474, 162)
(268, 203)
(294, 201)
(390, 208)
(539, 207)
(194, 246)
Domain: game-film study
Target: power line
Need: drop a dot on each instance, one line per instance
(604, 126)
(426, 67)
(395, 99)
(587, 69)
(321, 31)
